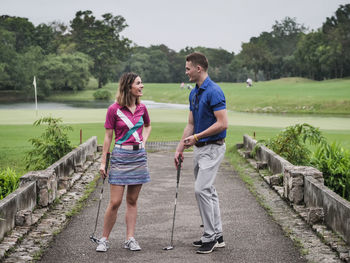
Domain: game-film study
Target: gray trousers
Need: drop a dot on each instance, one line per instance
(207, 160)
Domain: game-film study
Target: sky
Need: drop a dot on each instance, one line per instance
(183, 23)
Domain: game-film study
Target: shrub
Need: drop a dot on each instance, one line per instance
(50, 146)
(291, 143)
(102, 95)
(9, 182)
(334, 162)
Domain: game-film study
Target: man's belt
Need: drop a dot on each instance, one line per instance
(217, 142)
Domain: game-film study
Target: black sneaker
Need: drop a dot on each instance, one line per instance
(220, 244)
(197, 243)
(207, 247)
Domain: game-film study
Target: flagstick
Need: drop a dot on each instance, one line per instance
(36, 100)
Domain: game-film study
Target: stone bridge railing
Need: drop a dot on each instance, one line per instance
(41, 188)
(303, 185)
(162, 146)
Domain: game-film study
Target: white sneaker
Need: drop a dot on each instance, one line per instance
(132, 244)
(102, 245)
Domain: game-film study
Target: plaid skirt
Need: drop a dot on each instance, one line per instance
(128, 167)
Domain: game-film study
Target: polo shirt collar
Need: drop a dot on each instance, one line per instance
(204, 84)
(126, 108)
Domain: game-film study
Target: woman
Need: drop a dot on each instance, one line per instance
(131, 123)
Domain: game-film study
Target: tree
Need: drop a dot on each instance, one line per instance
(256, 56)
(239, 73)
(159, 70)
(281, 42)
(273, 52)
(44, 37)
(7, 58)
(101, 40)
(66, 72)
(219, 60)
(22, 28)
(17, 68)
(307, 54)
(51, 36)
(26, 67)
(337, 29)
(157, 64)
(176, 63)
(286, 35)
(138, 63)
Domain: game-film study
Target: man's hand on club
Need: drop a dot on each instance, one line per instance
(189, 141)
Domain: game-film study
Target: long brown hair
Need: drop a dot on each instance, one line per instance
(124, 97)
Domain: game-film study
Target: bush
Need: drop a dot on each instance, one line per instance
(102, 95)
(50, 146)
(334, 162)
(9, 182)
(291, 143)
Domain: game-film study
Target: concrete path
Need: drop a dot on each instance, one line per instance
(250, 233)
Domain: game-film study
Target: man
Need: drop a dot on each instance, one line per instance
(206, 130)
(249, 82)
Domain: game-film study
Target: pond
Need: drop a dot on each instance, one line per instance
(87, 112)
(84, 104)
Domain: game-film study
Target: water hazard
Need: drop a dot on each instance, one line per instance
(88, 112)
(84, 104)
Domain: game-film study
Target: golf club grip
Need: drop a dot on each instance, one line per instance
(107, 161)
(178, 169)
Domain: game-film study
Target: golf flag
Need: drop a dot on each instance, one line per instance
(36, 100)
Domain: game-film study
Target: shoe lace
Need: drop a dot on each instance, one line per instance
(103, 242)
(132, 243)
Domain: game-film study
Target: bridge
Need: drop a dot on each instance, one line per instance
(258, 225)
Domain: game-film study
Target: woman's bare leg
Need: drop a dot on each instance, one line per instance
(131, 209)
(116, 197)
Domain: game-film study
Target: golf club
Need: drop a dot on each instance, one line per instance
(177, 189)
(92, 237)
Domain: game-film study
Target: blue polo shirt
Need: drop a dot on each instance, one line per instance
(204, 100)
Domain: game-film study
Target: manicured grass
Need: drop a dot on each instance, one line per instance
(293, 95)
(16, 128)
(164, 115)
(13, 144)
(13, 148)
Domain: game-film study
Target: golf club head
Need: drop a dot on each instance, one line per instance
(94, 239)
(168, 248)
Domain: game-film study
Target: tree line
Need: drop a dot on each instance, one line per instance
(64, 57)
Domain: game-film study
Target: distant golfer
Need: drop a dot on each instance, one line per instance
(131, 124)
(206, 130)
(249, 82)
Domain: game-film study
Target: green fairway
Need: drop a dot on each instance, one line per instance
(284, 95)
(15, 137)
(80, 115)
(13, 148)
(293, 95)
